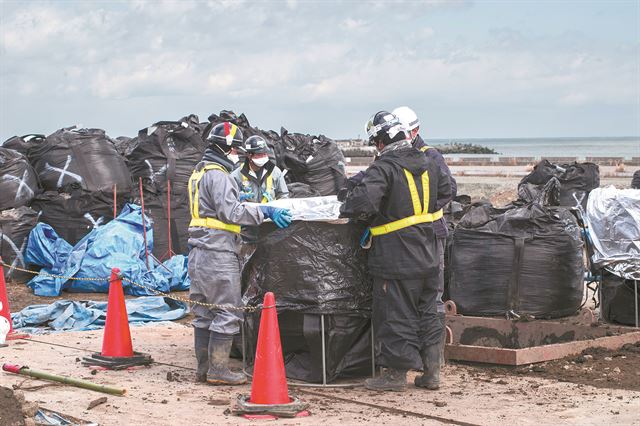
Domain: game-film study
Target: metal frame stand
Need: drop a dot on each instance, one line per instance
(635, 293)
(324, 360)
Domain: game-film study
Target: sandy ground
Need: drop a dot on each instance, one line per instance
(469, 394)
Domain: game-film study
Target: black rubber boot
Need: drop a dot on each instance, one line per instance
(431, 362)
(390, 380)
(219, 373)
(443, 320)
(201, 343)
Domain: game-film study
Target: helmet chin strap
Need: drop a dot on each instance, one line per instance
(220, 150)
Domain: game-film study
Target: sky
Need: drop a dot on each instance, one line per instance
(470, 69)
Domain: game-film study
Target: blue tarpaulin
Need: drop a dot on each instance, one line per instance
(65, 315)
(119, 244)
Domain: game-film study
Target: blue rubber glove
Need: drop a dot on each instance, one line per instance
(244, 196)
(281, 217)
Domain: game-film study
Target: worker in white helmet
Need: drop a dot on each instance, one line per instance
(411, 122)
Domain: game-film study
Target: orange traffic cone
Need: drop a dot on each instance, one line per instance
(269, 391)
(269, 378)
(4, 307)
(117, 349)
(117, 336)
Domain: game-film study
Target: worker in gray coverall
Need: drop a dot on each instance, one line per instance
(259, 179)
(214, 267)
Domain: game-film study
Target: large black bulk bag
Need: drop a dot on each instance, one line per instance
(18, 181)
(576, 180)
(15, 226)
(312, 267)
(23, 143)
(168, 150)
(74, 215)
(522, 260)
(72, 158)
(316, 161)
(618, 299)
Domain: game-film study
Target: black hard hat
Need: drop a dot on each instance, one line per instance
(384, 127)
(226, 135)
(256, 145)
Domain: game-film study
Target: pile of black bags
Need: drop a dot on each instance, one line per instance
(79, 170)
(161, 155)
(327, 276)
(576, 181)
(315, 161)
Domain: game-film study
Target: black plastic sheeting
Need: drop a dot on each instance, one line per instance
(18, 181)
(576, 181)
(156, 208)
(23, 143)
(301, 190)
(347, 343)
(617, 299)
(168, 150)
(87, 159)
(526, 260)
(15, 226)
(316, 161)
(453, 212)
(74, 215)
(327, 275)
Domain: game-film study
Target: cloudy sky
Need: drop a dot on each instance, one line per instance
(469, 68)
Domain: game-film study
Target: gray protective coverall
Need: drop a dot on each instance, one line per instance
(214, 265)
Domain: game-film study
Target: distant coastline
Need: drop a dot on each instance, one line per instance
(579, 147)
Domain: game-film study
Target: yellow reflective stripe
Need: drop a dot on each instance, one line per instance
(425, 192)
(194, 197)
(269, 188)
(415, 199)
(406, 222)
(209, 222)
(425, 148)
(420, 216)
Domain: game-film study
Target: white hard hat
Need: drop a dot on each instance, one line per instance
(407, 117)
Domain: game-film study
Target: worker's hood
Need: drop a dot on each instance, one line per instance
(405, 156)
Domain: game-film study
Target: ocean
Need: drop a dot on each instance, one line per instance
(581, 147)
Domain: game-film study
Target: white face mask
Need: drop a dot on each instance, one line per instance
(260, 161)
(233, 158)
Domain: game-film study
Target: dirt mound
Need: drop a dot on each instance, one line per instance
(598, 367)
(14, 410)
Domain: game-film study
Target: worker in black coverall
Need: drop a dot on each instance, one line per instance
(397, 197)
(409, 119)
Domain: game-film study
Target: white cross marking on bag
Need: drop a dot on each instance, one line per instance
(94, 222)
(18, 252)
(63, 172)
(152, 174)
(22, 185)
